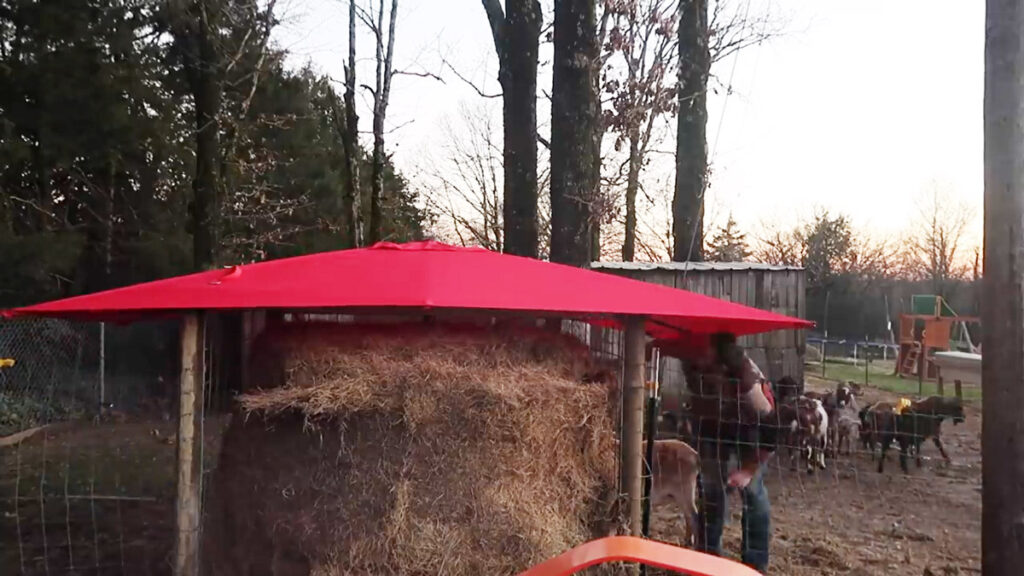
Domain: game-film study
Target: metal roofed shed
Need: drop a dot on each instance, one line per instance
(778, 289)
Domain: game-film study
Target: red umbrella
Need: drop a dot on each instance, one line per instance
(421, 276)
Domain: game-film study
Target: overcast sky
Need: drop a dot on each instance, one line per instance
(860, 107)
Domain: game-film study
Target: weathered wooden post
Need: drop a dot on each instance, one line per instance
(1002, 542)
(633, 422)
(190, 465)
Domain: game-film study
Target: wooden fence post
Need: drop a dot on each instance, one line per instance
(190, 465)
(1002, 542)
(633, 421)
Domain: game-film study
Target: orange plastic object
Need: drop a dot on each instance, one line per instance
(632, 549)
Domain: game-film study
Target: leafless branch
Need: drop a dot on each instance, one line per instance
(418, 75)
(469, 82)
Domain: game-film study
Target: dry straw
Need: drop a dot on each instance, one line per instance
(411, 451)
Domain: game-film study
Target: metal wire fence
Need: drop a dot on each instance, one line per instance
(823, 503)
(93, 492)
(86, 467)
(50, 372)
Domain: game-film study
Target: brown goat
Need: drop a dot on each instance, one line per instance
(805, 426)
(918, 422)
(923, 420)
(674, 477)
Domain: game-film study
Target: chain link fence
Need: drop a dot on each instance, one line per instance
(50, 373)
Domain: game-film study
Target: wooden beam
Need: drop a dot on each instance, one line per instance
(190, 465)
(1002, 497)
(633, 422)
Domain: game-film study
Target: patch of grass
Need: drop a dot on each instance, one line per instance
(881, 376)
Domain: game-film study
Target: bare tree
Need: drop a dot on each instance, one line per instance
(517, 42)
(349, 132)
(574, 131)
(934, 245)
(779, 247)
(385, 50)
(691, 142)
(466, 189)
(654, 229)
(642, 39)
(701, 43)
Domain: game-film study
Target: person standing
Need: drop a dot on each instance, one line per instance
(731, 407)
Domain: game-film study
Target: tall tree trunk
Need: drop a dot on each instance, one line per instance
(194, 25)
(207, 96)
(691, 145)
(381, 95)
(517, 43)
(350, 141)
(108, 223)
(574, 122)
(1002, 549)
(632, 186)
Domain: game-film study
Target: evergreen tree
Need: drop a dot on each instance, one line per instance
(728, 244)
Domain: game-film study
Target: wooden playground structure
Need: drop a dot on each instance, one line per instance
(931, 326)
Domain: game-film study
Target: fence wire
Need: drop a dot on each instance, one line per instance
(50, 372)
(86, 456)
(93, 492)
(822, 504)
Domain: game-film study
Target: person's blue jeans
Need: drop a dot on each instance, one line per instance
(713, 513)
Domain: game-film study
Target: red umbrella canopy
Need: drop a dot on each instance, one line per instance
(421, 276)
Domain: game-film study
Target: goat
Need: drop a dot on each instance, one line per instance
(674, 477)
(917, 422)
(841, 407)
(879, 424)
(807, 422)
(846, 426)
(785, 389)
(923, 420)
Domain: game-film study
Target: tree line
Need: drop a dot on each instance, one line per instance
(144, 139)
(857, 283)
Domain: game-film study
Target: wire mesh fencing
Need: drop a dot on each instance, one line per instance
(93, 491)
(830, 495)
(86, 449)
(49, 372)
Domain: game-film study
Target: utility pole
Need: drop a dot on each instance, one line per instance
(1002, 308)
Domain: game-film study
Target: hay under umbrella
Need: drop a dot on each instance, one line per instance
(411, 451)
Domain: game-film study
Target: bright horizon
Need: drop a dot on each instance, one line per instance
(860, 109)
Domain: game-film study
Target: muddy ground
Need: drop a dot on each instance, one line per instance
(849, 519)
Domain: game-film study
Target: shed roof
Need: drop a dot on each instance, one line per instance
(693, 266)
(421, 276)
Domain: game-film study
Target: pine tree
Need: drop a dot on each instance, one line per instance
(728, 244)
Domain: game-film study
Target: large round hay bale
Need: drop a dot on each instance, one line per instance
(411, 452)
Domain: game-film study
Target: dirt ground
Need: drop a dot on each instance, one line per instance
(849, 519)
(84, 499)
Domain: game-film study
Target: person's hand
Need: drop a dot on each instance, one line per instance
(740, 478)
